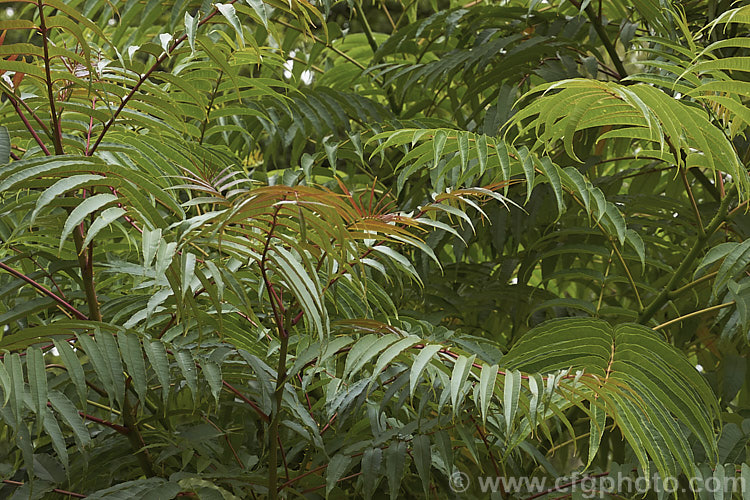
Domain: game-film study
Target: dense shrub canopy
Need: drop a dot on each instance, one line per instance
(345, 249)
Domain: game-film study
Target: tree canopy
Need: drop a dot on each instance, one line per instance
(323, 249)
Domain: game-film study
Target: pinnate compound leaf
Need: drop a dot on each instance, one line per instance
(643, 383)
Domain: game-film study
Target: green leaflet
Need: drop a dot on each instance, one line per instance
(395, 459)
(423, 460)
(438, 143)
(734, 262)
(107, 217)
(186, 363)
(132, 354)
(360, 350)
(228, 11)
(191, 23)
(486, 388)
(461, 370)
(52, 428)
(157, 357)
(69, 414)
(73, 367)
(37, 381)
(101, 366)
(374, 346)
(481, 143)
(212, 373)
(598, 419)
(421, 362)
(336, 469)
(17, 388)
(512, 391)
(5, 383)
(86, 207)
(304, 288)
(536, 388)
(112, 362)
(391, 353)
(61, 187)
(4, 146)
(371, 462)
(27, 169)
(260, 9)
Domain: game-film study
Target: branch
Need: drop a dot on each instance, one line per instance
(606, 42)
(321, 486)
(678, 292)
(687, 262)
(86, 263)
(272, 297)
(119, 428)
(135, 437)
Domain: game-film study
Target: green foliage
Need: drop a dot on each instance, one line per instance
(285, 248)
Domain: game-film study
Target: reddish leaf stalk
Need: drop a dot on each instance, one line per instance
(16, 101)
(244, 398)
(119, 428)
(28, 126)
(56, 490)
(57, 131)
(321, 486)
(45, 291)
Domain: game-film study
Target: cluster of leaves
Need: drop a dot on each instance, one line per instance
(276, 249)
